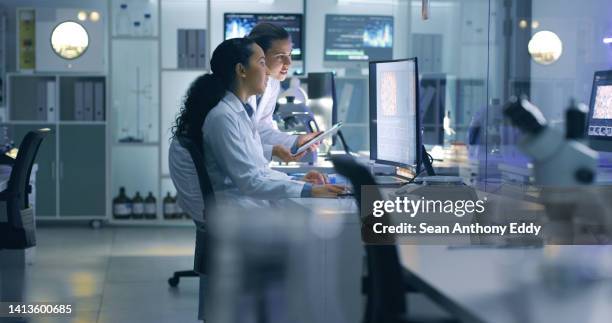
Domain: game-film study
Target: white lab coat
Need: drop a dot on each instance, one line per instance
(262, 118)
(235, 159)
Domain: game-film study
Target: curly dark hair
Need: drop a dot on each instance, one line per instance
(207, 90)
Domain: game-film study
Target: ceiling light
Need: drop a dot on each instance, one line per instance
(545, 47)
(82, 15)
(94, 16)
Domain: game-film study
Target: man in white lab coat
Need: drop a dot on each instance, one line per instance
(277, 45)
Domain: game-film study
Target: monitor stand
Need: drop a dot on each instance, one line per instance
(426, 162)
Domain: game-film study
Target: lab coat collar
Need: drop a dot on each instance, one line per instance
(234, 102)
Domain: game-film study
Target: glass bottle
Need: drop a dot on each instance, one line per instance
(136, 29)
(169, 206)
(122, 26)
(121, 205)
(147, 25)
(150, 207)
(137, 206)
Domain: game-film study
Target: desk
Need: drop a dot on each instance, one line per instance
(480, 284)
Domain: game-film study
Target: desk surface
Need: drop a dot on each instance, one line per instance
(481, 284)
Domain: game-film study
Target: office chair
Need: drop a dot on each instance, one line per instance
(19, 232)
(208, 195)
(386, 282)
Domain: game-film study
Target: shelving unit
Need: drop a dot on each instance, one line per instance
(71, 154)
(72, 162)
(137, 102)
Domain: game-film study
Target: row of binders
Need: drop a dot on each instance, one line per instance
(45, 101)
(191, 48)
(88, 101)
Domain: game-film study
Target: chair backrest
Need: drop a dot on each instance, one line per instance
(385, 292)
(197, 156)
(200, 262)
(19, 180)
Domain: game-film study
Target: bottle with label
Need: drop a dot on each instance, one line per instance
(122, 26)
(137, 207)
(178, 209)
(150, 207)
(121, 206)
(169, 207)
(147, 25)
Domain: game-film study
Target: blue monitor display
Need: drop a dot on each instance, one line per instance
(238, 25)
(358, 38)
(599, 128)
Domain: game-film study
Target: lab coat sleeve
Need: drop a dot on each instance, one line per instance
(267, 151)
(268, 130)
(227, 145)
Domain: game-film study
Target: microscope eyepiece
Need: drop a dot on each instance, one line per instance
(524, 115)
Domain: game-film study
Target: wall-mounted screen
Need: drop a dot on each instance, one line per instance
(358, 38)
(240, 24)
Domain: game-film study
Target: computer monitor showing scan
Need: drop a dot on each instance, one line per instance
(599, 129)
(237, 25)
(358, 38)
(394, 116)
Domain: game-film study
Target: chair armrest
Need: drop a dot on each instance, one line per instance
(6, 160)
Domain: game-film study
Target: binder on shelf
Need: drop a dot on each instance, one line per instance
(182, 48)
(99, 101)
(88, 101)
(192, 48)
(201, 49)
(41, 101)
(78, 101)
(50, 102)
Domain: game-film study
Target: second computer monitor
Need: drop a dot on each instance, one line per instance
(358, 38)
(394, 114)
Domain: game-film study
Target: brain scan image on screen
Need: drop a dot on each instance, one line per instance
(388, 97)
(238, 27)
(378, 34)
(603, 103)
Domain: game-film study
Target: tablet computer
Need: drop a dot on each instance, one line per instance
(329, 132)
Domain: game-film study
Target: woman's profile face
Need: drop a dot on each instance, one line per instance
(257, 73)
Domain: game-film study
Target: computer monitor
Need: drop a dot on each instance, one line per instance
(599, 129)
(357, 39)
(395, 134)
(236, 25)
(322, 98)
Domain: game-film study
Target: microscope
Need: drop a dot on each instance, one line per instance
(564, 166)
(300, 118)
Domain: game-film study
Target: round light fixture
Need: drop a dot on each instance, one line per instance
(545, 47)
(69, 40)
(82, 15)
(523, 24)
(94, 16)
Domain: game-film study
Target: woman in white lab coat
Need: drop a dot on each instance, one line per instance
(216, 114)
(277, 46)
